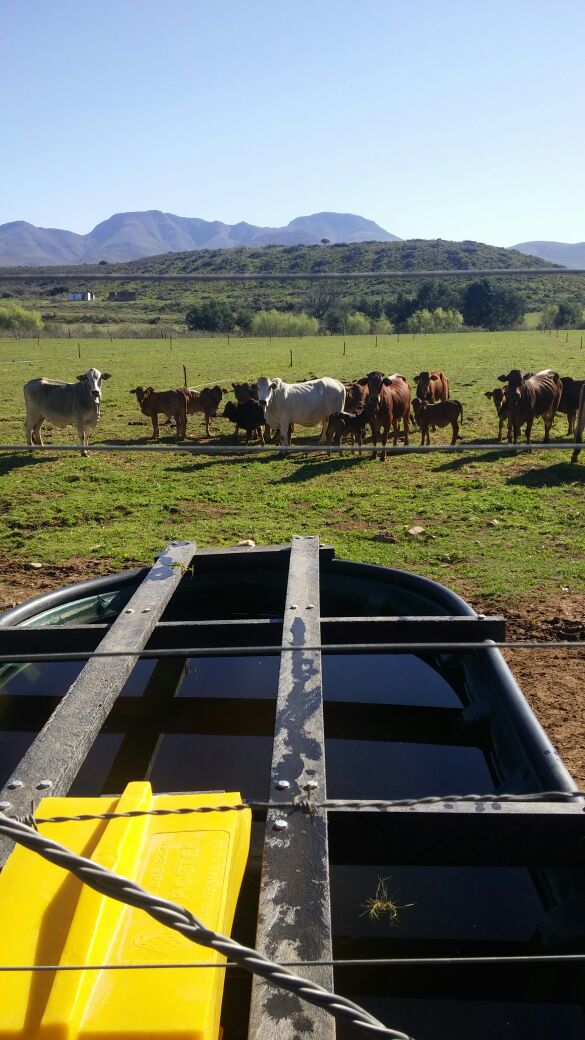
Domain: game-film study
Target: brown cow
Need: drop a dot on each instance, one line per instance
(245, 392)
(356, 396)
(347, 424)
(499, 395)
(580, 424)
(388, 405)
(206, 401)
(569, 403)
(432, 386)
(172, 403)
(439, 414)
(530, 396)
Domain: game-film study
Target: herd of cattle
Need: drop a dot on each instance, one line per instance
(271, 407)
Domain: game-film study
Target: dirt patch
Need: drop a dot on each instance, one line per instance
(19, 581)
(552, 680)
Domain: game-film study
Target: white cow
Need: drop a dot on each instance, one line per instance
(579, 424)
(305, 404)
(64, 404)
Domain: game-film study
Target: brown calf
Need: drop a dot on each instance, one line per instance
(442, 413)
(388, 405)
(569, 403)
(499, 395)
(346, 424)
(580, 424)
(356, 396)
(206, 401)
(245, 392)
(432, 386)
(172, 403)
(530, 396)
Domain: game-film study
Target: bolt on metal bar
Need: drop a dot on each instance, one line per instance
(275, 651)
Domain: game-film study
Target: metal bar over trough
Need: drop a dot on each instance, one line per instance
(294, 915)
(56, 755)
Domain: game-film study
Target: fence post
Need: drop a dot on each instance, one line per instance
(376, 341)
(291, 360)
(344, 348)
(567, 338)
(185, 375)
(228, 341)
(78, 349)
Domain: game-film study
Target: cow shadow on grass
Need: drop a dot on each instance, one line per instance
(550, 476)
(490, 455)
(8, 463)
(318, 468)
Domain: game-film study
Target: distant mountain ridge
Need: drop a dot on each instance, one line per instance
(568, 254)
(130, 236)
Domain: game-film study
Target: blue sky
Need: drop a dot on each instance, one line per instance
(436, 118)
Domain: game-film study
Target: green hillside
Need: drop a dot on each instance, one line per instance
(165, 304)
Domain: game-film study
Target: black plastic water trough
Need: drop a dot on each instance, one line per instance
(254, 698)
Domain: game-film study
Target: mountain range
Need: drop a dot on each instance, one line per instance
(129, 236)
(568, 254)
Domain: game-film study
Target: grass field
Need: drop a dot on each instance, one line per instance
(114, 510)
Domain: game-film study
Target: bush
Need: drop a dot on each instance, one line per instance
(381, 326)
(488, 307)
(16, 318)
(276, 323)
(357, 325)
(214, 316)
(569, 315)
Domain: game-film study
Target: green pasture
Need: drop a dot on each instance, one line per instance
(504, 525)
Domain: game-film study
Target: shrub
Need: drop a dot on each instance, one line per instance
(16, 318)
(357, 325)
(276, 323)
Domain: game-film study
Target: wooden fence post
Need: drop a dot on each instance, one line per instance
(344, 348)
(291, 360)
(185, 375)
(78, 349)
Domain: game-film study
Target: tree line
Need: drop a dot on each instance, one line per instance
(435, 307)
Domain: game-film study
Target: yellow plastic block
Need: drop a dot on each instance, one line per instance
(48, 917)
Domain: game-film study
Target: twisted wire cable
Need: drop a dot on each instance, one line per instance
(306, 804)
(183, 921)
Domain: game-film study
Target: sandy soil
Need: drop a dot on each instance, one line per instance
(552, 680)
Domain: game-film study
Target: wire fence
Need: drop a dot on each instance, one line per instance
(303, 276)
(304, 449)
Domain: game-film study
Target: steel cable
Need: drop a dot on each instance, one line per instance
(272, 650)
(304, 803)
(183, 921)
